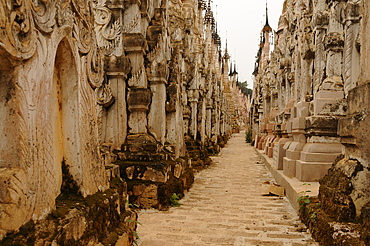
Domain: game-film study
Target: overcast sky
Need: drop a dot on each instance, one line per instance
(243, 20)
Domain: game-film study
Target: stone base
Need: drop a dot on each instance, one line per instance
(315, 160)
(157, 195)
(152, 172)
(99, 219)
(261, 142)
(199, 156)
(289, 167)
(270, 152)
(318, 157)
(279, 153)
(151, 184)
(311, 172)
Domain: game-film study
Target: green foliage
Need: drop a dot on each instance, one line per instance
(174, 199)
(313, 215)
(132, 205)
(244, 88)
(248, 136)
(133, 221)
(136, 238)
(136, 235)
(304, 199)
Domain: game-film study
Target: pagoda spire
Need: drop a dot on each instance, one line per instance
(226, 55)
(267, 16)
(231, 69)
(267, 27)
(235, 72)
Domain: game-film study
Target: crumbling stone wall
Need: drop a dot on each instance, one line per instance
(311, 102)
(111, 90)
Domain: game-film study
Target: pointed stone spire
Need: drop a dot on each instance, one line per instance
(267, 16)
(226, 55)
(267, 27)
(231, 69)
(235, 72)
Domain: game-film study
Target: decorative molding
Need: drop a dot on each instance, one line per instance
(17, 30)
(105, 96)
(108, 31)
(132, 24)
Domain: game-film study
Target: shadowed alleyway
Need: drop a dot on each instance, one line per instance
(225, 207)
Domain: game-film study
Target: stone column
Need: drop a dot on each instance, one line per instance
(157, 72)
(322, 145)
(351, 54)
(157, 114)
(115, 127)
(208, 126)
(139, 96)
(297, 129)
(193, 99)
(354, 127)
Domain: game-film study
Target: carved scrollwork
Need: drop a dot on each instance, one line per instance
(17, 34)
(107, 29)
(105, 96)
(83, 34)
(136, 78)
(44, 12)
(95, 68)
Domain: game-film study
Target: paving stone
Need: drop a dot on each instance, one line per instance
(225, 207)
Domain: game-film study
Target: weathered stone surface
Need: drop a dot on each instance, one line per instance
(102, 218)
(335, 190)
(365, 230)
(321, 58)
(88, 83)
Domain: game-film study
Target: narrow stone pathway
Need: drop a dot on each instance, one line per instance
(225, 207)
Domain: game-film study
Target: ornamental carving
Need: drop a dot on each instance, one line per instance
(17, 35)
(139, 99)
(107, 28)
(334, 41)
(129, 27)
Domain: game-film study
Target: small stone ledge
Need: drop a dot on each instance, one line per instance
(293, 187)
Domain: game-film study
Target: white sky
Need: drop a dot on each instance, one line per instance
(243, 20)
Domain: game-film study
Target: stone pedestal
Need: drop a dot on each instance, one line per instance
(298, 126)
(261, 142)
(324, 98)
(279, 153)
(321, 149)
(257, 140)
(269, 150)
(269, 140)
(315, 160)
(292, 155)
